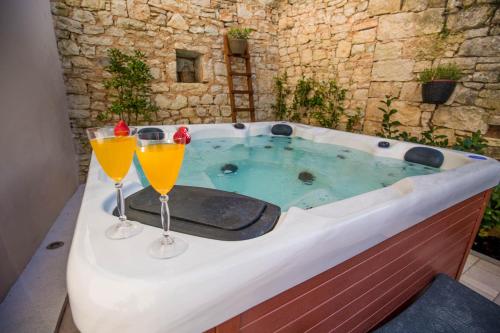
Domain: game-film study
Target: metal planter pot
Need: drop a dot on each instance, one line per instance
(238, 46)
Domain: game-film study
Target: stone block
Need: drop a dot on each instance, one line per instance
(78, 102)
(129, 23)
(396, 26)
(177, 22)
(84, 16)
(119, 8)
(386, 51)
(377, 7)
(68, 24)
(429, 21)
(469, 18)
(94, 4)
(364, 36)
(138, 9)
(411, 92)
(393, 70)
(343, 49)
(481, 47)
(465, 118)
(68, 47)
(381, 89)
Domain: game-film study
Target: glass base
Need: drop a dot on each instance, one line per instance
(167, 247)
(123, 229)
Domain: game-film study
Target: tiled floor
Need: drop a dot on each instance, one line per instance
(483, 277)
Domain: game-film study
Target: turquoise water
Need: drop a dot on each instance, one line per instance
(268, 168)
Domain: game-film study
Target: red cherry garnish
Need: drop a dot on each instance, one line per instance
(121, 129)
(182, 136)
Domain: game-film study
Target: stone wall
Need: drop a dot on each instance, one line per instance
(378, 47)
(373, 48)
(86, 29)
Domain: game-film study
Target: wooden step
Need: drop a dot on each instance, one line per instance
(244, 56)
(242, 92)
(243, 109)
(241, 74)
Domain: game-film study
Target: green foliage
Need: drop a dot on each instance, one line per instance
(320, 100)
(491, 219)
(328, 103)
(430, 138)
(474, 144)
(282, 91)
(389, 129)
(353, 121)
(441, 72)
(239, 33)
(130, 86)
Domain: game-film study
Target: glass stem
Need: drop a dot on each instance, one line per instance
(120, 202)
(165, 218)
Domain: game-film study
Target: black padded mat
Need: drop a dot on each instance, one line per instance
(205, 212)
(204, 206)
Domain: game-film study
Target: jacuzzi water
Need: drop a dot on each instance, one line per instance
(289, 171)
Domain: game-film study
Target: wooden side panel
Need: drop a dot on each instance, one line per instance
(358, 294)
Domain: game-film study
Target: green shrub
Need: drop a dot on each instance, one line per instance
(473, 144)
(441, 72)
(130, 88)
(282, 91)
(389, 127)
(491, 218)
(320, 100)
(239, 33)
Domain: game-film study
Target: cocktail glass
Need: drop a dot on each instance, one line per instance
(161, 160)
(115, 153)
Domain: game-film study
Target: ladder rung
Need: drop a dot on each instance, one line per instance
(241, 74)
(243, 109)
(238, 55)
(242, 92)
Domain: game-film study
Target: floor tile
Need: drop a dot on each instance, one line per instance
(478, 286)
(489, 267)
(471, 260)
(483, 273)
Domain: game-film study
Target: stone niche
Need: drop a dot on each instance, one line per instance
(189, 66)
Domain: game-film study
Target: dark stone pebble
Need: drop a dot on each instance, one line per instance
(268, 147)
(229, 168)
(306, 177)
(346, 151)
(342, 157)
(384, 184)
(288, 148)
(216, 147)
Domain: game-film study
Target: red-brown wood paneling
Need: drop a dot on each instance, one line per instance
(359, 293)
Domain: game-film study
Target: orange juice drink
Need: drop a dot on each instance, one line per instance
(115, 155)
(161, 164)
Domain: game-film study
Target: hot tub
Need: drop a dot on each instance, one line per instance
(344, 263)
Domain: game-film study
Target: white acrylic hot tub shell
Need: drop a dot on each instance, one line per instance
(114, 286)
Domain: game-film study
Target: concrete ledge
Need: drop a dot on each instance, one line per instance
(35, 301)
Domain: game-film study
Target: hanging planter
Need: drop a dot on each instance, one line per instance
(437, 91)
(238, 40)
(439, 83)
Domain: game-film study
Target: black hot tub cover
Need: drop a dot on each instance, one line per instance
(205, 212)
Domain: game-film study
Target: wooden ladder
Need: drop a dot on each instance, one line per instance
(248, 74)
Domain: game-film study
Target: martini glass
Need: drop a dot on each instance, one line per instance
(114, 154)
(161, 160)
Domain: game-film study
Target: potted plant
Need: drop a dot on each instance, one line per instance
(438, 83)
(238, 39)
